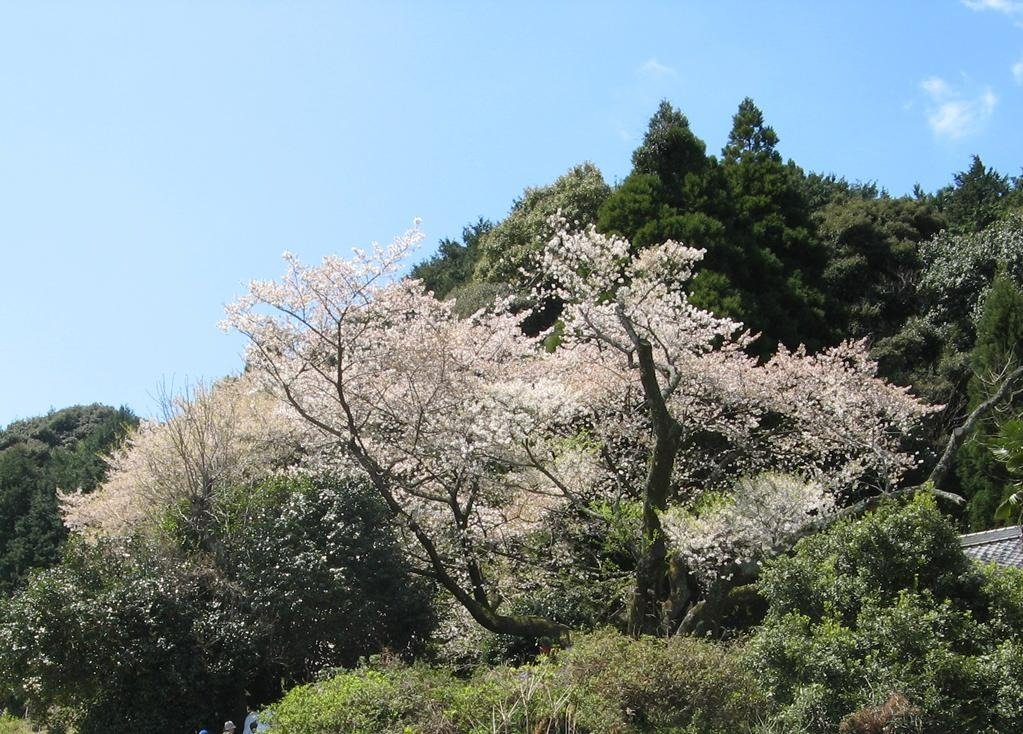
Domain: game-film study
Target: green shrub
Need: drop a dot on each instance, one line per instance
(310, 576)
(112, 634)
(365, 701)
(661, 685)
(398, 699)
(322, 571)
(885, 609)
(604, 684)
(12, 725)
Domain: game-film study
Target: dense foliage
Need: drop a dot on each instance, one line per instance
(891, 605)
(309, 577)
(746, 209)
(873, 257)
(323, 575)
(997, 351)
(455, 262)
(116, 632)
(62, 450)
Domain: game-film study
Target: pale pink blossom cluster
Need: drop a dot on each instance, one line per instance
(210, 438)
(429, 404)
(756, 517)
(846, 425)
(825, 416)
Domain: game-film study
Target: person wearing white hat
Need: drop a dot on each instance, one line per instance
(228, 727)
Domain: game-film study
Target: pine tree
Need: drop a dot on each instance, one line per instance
(979, 196)
(750, 213)
(998, 349)
(771, 223)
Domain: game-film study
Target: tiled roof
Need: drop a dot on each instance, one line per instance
(1003, 546)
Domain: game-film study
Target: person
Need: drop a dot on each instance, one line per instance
(228, 727)
(251, 721)
(203, 731)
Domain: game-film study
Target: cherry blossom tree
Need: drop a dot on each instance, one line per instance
(207, 439)
(409, 393)
(694, 409)
(471, 432)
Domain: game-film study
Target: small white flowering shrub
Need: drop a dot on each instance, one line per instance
(758, 518)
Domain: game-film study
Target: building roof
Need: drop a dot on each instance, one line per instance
(1002, 546)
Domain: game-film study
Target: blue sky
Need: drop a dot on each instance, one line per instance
(156, 156)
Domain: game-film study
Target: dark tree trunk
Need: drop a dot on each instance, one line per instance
(652, 587)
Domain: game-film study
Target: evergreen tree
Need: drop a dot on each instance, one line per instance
(26, 540)
(978, 197)
(771, 223)
(873, 259)
(62, 450)
(749, 212)
(672, 152)
(454, 263)
(998, 349)
(677, 192)
(819, 190)
(750, 136)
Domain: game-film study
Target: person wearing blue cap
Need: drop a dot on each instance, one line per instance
(203, 731)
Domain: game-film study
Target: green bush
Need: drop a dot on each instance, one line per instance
(889, 605)
(604, 684)
(322, 572)
(112, 634)
(661, 685)
(397, 699)
(310, 576)
(12, 725)
(362, 702)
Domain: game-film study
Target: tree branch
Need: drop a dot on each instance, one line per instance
(941, 475)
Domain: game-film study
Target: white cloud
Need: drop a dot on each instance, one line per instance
(999, 6)
(950, 120)
(1017, 71)
(953, 112)
(936, 87)
(653, 67)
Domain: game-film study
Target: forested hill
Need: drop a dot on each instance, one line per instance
(63, 449)
(801, 258)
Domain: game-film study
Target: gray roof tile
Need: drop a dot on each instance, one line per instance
(1002, 546)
